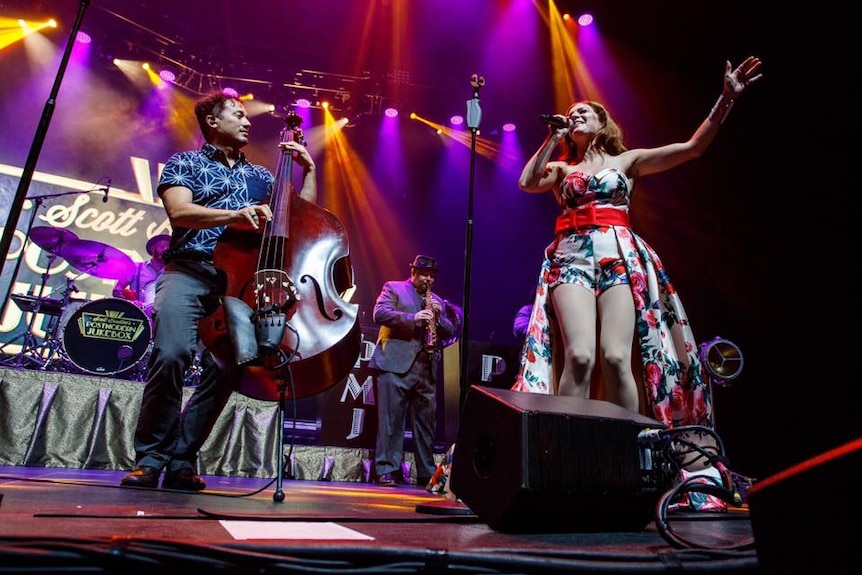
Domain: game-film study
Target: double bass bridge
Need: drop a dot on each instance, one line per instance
(274, 291)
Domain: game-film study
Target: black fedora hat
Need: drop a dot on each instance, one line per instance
(424, 263)
(156, 240)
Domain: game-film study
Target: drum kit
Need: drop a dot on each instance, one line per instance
(102, 337)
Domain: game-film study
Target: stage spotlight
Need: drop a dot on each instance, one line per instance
(167, 75)
(48, 24)
(585, 19)
(722, 360)
(303, 103)
(456, 120)
(390, 112)
(230, 92)
(83, 38)
(509, 127)
(256, 107)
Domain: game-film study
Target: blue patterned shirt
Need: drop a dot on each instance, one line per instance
(214, 185)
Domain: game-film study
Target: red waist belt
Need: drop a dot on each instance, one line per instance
(586, 217)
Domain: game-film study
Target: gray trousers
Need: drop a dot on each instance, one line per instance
(166, 435)
(413, 393)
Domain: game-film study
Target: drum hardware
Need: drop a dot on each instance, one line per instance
(89, 257)
(43, 354)
(32, 351)
(52, 344)
(33, 304)
(51, 240)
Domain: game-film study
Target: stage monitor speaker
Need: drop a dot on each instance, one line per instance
(527, 462)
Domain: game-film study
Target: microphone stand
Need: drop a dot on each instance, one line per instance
(474, 118)
(36, 147)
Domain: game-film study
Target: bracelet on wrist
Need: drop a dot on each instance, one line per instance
(721, 109)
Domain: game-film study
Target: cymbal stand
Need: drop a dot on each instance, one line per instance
(37, 201)
(29, 339)
(52, 343)
(31, 348)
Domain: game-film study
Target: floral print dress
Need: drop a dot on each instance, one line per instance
(597, 257)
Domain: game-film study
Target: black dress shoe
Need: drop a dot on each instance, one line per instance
(183, 479)
(386, 480)
(144, 476)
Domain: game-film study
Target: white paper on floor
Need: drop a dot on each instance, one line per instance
(290, 530)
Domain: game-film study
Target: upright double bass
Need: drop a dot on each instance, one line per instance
(285, 324)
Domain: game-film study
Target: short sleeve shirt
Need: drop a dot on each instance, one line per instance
(215, 185)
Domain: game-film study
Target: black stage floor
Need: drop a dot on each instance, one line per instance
(56, 520)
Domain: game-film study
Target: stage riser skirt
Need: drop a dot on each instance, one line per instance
(54, 419)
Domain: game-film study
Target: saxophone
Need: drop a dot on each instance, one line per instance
(430, 344)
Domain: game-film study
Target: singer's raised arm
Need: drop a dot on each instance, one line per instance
(539, 174)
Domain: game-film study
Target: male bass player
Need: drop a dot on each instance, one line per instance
(204, 192)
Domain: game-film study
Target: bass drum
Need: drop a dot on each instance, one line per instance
(106, 336)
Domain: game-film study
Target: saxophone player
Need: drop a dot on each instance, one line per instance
(405, 365)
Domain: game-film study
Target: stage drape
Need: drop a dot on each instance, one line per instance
(52, 419)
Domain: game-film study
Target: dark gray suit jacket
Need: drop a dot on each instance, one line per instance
(400, 337)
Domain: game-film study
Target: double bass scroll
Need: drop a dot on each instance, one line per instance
(287, 286)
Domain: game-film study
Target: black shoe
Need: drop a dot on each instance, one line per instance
(183, 479)
(144, 476)
(422, 481)
(386, 480)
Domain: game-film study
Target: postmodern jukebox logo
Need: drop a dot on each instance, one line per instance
(111, 325)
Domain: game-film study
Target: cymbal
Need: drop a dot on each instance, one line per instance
(98, 259)
(51, 239)
(46, 305)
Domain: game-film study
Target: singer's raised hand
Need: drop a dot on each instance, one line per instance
(738, 79)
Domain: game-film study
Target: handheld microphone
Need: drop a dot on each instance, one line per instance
(106, 189)
(556, 121)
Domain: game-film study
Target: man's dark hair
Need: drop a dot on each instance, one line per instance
(210, 104)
